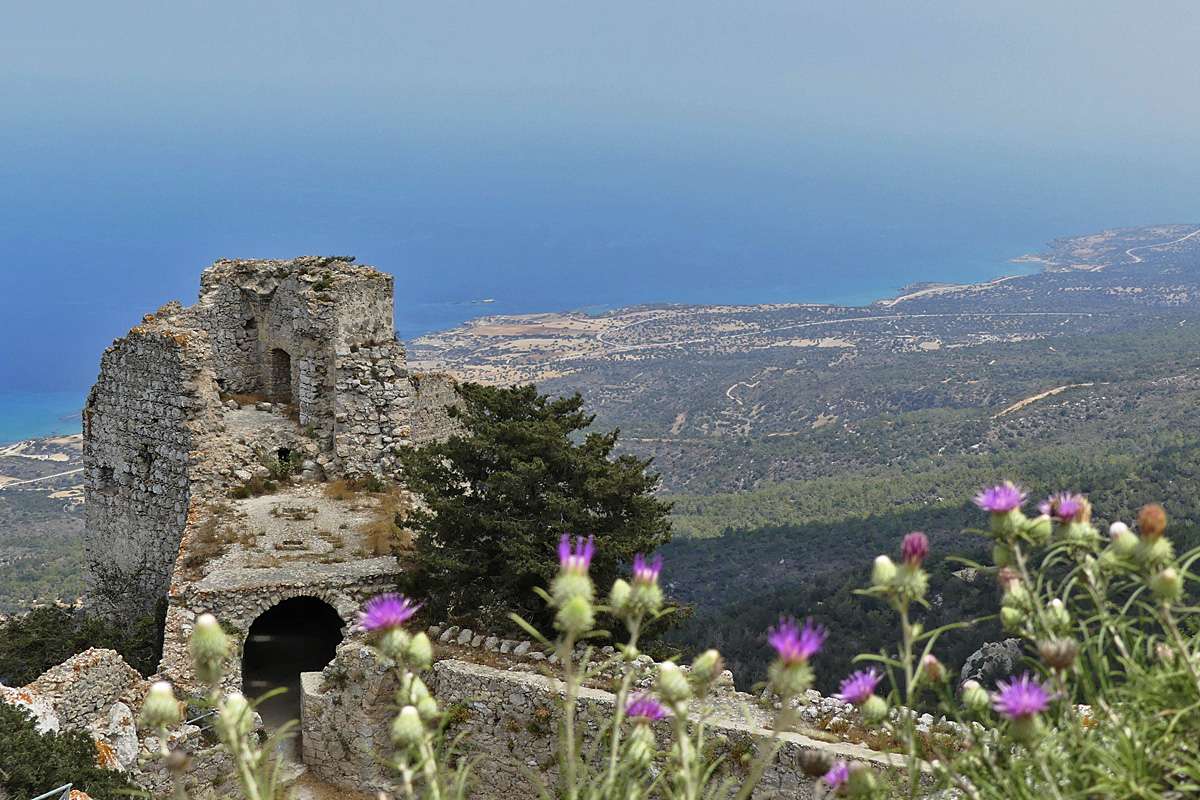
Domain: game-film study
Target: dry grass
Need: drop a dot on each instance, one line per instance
(383, 533)
(211, 539)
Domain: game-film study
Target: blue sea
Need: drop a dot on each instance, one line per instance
(96, 236)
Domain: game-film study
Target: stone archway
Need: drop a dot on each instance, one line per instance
(300, 634)
(279, 376)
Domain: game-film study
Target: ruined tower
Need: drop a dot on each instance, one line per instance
(280, 367)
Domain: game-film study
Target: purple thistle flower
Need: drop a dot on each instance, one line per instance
(644, 708)
(794, 644)
(646, 571)
(1020, 697)
(1063, 506)
(386, 611)
(837, 776)
(914, 548)
(576, 559)
(859, 686)
(1001, 498)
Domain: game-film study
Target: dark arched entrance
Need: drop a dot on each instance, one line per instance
(298, 635)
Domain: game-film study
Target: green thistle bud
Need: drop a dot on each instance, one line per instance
(1038, 529)
(1081, 535)
(412, 689)
(209, 646)
(571, 584)
(1110, 560)
(932, 669)
(706, 667)
(407, 729)
(874, 710)
(911, 582)
(1026, 730)
(428, 709)
(575, 617)
(862, 782)
(1002, 555)
(1124, 541)
(1016, 595)
(1166, 585)
(235, 718)
(975, 697)
(160, 709)
(883, 573)
(1008, 524)
(1058, 615)
(672, 685)
(394, 643)
(790, 679)
(640, 747)
(1154, 554)
(1011, 618)
(618, 596)
(646, 598)
(420, 652)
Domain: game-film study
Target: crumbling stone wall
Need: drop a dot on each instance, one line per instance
(149, 412)
(435, 395)
(510, 725)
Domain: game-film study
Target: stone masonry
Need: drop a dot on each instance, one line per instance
(168, 428)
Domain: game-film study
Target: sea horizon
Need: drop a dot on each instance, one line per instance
(34, 414)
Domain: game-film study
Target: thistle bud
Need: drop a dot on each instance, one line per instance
(1056, 610)
(160, 708)
(1164, 653)
(1011, 618)
(394, 643)
(1002, 555)
(1154, 554)
(1124, 542)
(1026, 730)
(975, 697)
(407, 729)
(862, 781)
(618, 596)
(706, 667)
(645, 598)
(411, 690)
(235, 718)
(420, 652)
(1016, 595)
(428, 709)
(575, 617)
(1038, 529)
(672, 685)
(911, 582)
(208, 647)
(883, 573)
(815, 763)
(874, 710)
(1152, 521)
(1167, 586)
(1058, 653)
(640, 747)
(933, 669)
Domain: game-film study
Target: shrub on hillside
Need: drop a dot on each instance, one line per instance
(32, 763)
(32, 643)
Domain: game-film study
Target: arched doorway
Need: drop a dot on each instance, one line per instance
(298, 635)
(279, 376)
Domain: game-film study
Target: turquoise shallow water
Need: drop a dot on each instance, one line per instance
(24, 415)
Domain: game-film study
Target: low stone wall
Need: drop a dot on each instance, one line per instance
(509, 722)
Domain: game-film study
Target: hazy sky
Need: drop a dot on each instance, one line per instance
(139, 141)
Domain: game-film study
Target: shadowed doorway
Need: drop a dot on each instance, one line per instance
(298, 635)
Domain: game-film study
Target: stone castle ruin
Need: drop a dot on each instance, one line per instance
(214, 431)
(240, 456)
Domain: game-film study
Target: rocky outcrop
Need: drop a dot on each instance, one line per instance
(992, 662)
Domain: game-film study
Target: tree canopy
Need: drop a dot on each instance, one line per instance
(497, 496)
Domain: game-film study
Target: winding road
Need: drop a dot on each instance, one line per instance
(1139, 259)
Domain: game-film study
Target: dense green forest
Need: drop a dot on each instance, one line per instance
(741, 581)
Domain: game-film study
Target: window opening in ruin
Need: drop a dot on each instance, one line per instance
(300, 634)
(280, 389)
(107, 480)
